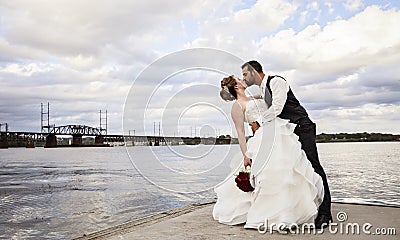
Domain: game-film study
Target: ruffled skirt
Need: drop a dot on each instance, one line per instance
(287, 190)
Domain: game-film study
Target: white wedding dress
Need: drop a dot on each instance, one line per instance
(287, 190)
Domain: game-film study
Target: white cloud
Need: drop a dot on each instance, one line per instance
(365, 118)
(347, 66)
(26, 70)
(83, 56)
(263, 16)
(347, 79)
(341, 45)
(80, 62)
(353, 5)
(88, 28)
(330, 7)
(237, 31)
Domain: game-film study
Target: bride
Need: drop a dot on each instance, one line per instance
(286, 189)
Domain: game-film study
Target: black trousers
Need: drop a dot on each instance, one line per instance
(306, 130)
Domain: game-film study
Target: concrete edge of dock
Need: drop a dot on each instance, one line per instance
(194, 221)
(148, 220)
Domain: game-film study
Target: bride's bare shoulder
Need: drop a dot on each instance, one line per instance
(238, 106)
(242, 103)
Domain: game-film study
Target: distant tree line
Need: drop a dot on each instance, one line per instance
(344, 137)
(357, 137)
(331, 137)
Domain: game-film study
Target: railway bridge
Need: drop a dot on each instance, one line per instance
(49, 139)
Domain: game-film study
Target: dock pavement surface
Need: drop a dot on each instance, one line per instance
(350, 221)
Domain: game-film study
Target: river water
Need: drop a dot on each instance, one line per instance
(64, 193)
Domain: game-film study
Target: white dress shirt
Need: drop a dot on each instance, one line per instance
(279, 88)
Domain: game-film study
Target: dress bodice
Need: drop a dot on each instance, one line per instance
(254, 109)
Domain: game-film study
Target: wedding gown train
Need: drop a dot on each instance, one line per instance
(287, 190)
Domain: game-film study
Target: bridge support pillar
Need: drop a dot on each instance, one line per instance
(3, 140)
(98, 140)
(77, 140)
(51, 141)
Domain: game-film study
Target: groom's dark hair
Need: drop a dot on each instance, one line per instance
(254, 65)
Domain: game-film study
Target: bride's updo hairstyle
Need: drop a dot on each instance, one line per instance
(228, 92)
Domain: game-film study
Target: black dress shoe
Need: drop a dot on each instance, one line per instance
(323, 221)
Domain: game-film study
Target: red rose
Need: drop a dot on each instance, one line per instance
(243, 182)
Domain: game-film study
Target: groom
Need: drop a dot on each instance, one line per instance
(282, 103)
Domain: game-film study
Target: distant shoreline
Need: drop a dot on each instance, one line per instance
(357, 137)
(347, 137)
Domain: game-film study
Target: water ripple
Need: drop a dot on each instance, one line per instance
(64, 193)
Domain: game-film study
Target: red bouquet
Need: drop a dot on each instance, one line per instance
(243, 181)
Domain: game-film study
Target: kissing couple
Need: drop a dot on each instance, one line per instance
(289, 184)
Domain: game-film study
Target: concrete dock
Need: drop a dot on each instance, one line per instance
(351, 221)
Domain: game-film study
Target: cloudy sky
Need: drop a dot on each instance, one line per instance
(341, 58)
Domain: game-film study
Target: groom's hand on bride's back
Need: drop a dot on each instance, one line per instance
(254, 127)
